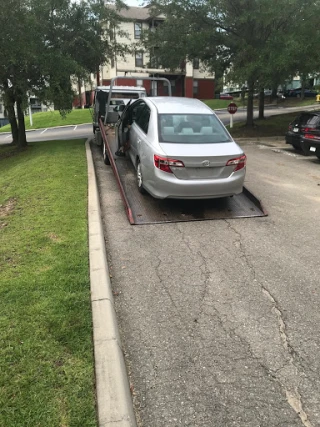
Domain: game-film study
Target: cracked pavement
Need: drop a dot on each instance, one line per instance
(220, 319)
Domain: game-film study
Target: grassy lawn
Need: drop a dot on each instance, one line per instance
(46, 355)
(216, 104)
(271, 126)
(288, 102)
(54, 118)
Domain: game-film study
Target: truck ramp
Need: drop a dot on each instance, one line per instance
(144, 209)
(147, 210)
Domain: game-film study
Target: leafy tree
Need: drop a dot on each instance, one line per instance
(245, 37)
(44, 43)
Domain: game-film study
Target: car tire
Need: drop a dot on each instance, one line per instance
(139, 178)
(305, 149)
(296, 147)
(106, 159)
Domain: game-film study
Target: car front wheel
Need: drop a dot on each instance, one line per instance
(140, 178)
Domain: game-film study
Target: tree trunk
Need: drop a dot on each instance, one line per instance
(9, 101)
(13, 123)
(261, 104)
(250, 104)
(22, 141)
(79, 91)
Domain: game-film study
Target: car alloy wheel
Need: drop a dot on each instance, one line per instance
(139, 178)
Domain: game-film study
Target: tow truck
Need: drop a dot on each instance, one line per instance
(142, 208)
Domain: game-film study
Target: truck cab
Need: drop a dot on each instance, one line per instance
(120, 96)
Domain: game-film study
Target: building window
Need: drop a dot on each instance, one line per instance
(139, 82)
(139, 59)
(195, 87)
(196, 64)
(137, 30)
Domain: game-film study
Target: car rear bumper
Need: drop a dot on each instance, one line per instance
(167, 185)
(311, 142)
(308, 143)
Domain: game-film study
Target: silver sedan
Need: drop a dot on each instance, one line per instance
(180, 149)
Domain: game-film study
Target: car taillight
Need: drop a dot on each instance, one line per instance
(163, 163)
(310, 136)
(239, 162)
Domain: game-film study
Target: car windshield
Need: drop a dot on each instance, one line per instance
(191, 129)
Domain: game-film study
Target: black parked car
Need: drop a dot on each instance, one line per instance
(296, 93)
(304, 133)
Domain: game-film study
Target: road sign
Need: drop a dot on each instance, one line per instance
(232, 108)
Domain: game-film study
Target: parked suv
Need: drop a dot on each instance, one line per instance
(304, 133)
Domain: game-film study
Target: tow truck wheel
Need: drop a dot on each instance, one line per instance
(139, 178)
(105, 155)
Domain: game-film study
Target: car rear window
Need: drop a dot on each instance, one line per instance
(191, 129)
(309, 120)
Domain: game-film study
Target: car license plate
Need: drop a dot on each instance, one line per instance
(295, 129)
(313, 149)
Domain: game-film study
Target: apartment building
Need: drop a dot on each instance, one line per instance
(191, 80)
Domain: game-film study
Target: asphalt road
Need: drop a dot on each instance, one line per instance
(51, 134)
(220, 319)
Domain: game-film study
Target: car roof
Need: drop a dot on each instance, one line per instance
(179, 105)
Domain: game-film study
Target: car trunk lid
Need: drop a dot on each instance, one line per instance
(202, 161)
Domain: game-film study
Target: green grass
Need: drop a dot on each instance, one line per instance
(53, 118)
(271, 126)
(46, 356)
(216, 104)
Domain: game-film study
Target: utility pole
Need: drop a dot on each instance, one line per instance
(30, 112)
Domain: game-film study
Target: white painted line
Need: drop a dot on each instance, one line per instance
(43, 131)
(9, 136)
(75, 128)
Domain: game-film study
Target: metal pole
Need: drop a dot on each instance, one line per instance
(135, 78)
(30, 113)
(231, 121)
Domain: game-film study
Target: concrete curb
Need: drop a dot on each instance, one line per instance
(114, 402)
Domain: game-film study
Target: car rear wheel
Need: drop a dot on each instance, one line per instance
(139, 178)
(296, 146)
(105, 155)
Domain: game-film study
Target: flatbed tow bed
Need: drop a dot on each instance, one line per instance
(144, 209)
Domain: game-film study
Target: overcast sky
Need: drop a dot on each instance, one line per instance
(133, 2)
